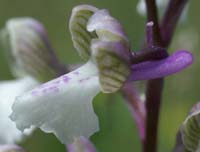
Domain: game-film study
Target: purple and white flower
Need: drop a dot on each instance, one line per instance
(63, 106)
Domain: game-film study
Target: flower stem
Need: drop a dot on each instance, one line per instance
(153, 17)
(153, 100)
(162, 38)
(170, 19)
(154, 87)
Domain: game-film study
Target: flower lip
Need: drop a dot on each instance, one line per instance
(9, 90)
(70, 116)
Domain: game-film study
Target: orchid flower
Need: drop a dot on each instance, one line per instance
(25, 43)
(63, 106)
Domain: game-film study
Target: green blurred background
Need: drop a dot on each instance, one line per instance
(118, 132)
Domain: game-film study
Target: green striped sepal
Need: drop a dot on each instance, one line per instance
(29, 52)
(191, 130)
(106, 27)
(80, 36)
(110, 51)
(112, 64)
(95, 31)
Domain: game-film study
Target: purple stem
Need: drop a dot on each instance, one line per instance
(152, 16)
(162, 38)
(154, 87)
(149, 31)
(170, 19)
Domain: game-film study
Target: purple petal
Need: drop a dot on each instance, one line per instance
(156, 69)
(81, 144)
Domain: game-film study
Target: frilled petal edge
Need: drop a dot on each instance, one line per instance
(62, 106)
(8, 91)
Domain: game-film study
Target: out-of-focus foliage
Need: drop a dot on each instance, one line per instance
(118, 131)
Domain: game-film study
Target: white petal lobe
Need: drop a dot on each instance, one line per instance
(62, 106)
(8, 91)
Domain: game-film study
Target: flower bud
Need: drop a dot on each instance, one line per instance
(28, 49)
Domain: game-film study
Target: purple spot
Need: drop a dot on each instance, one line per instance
(51, 89)
(44, 85)
(85, 79)
(49, 84)
(66, 78)
(76, 73)
(35, 92)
